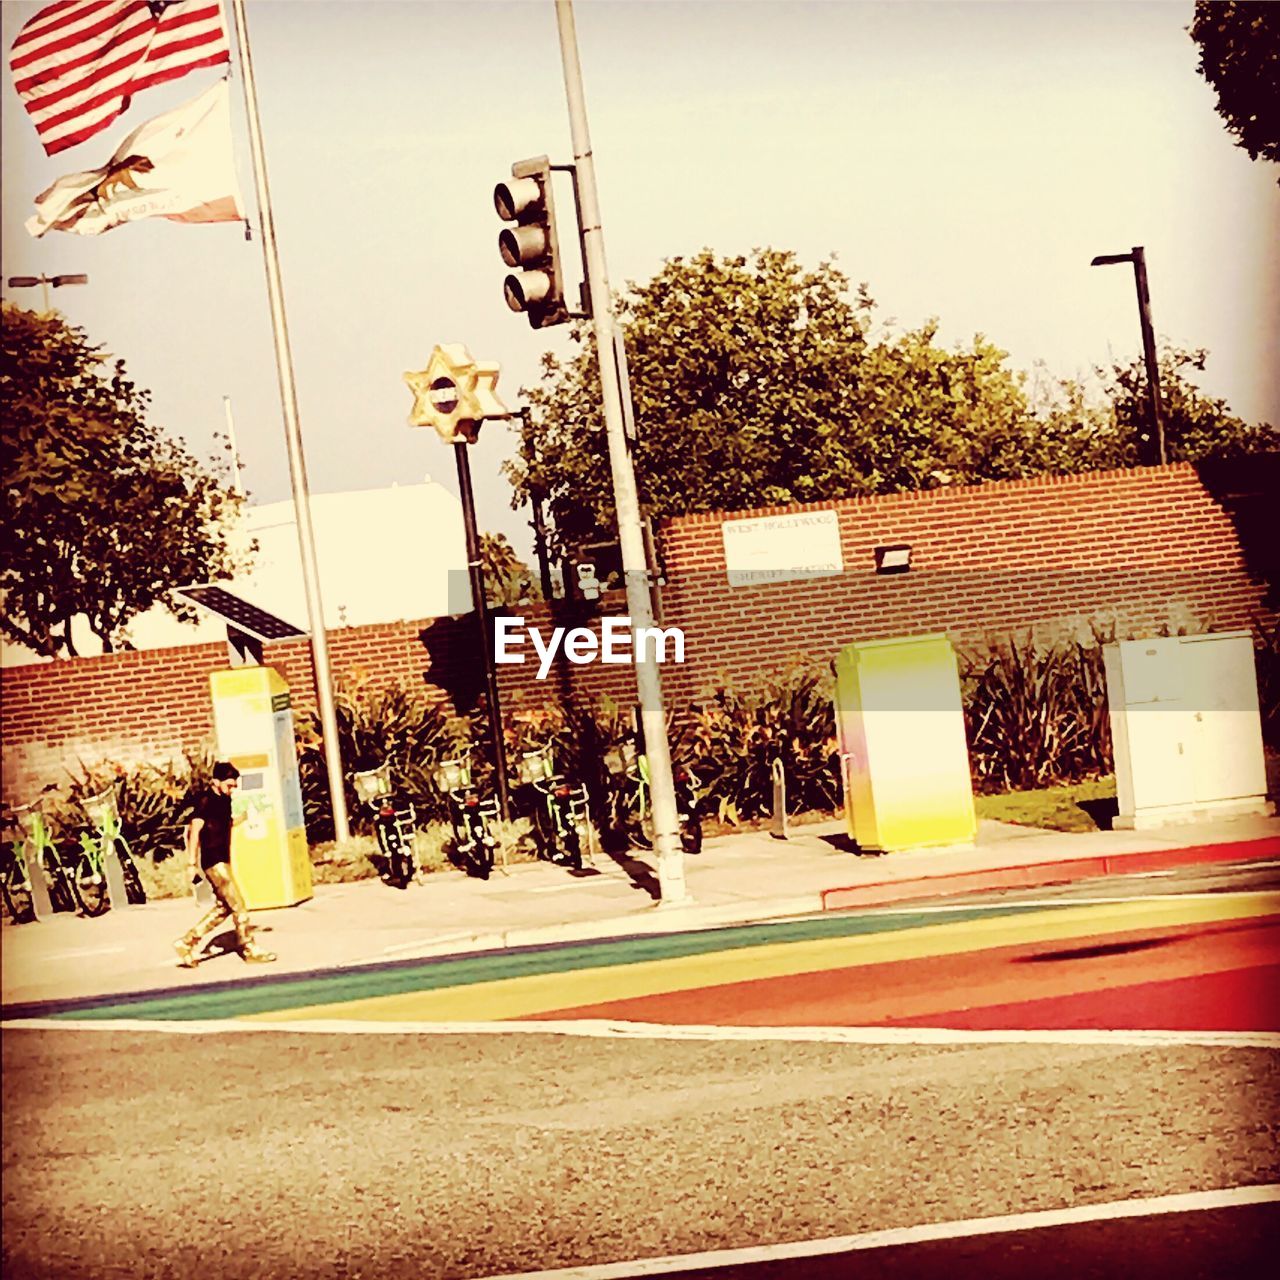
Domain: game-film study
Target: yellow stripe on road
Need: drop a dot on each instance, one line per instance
(547, 992)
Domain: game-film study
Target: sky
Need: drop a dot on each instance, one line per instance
(965, 159)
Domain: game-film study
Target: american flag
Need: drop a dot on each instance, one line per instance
(77, 62)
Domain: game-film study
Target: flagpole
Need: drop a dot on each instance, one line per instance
(293, 437)
(236, 486)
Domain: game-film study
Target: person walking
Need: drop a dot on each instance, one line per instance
(208, 842)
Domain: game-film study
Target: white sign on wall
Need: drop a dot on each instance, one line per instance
(782, 548)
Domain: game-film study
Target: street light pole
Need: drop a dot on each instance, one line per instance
(670, 855)
(1155, 406)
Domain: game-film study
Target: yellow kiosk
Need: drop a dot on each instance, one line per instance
(253, 723)
(903, 749)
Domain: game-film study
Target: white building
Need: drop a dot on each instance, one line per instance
(383, 555)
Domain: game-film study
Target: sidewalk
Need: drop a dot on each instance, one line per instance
(737, 879)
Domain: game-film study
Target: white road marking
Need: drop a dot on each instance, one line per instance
(609, 1029)
(1228, 1197)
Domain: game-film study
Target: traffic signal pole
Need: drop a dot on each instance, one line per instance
(670, 854)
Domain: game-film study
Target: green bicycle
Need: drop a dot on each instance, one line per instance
(92, 871)
(631, 813)
(27, 897)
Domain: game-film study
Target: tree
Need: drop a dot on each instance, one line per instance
(1240, 58)
(1196, 425)
(737, 368)
(758, 383)
(507, 579)
(103, 512)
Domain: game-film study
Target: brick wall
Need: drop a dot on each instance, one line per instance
(1137, 549)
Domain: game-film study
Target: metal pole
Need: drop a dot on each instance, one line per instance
(293, 438)
(536, 498)
(670, 855)
(540, 544)
(236, 486)
(476, 573)
(1149, 351)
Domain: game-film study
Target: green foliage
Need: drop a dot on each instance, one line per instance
(1266, 651)
(734, 736)
(756, 382)
(738, 371)
(1036, 714)
(104, 513)
(580, 733)
(154, 800)
(1196, 425)
(1240, 57)
(507, 579)
(168, 879)
(397, 724)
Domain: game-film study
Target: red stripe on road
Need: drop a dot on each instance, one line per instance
(1237, 1000)
(939, 990)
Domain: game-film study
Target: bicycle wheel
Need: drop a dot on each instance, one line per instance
(395, 872)
(544, 832)
(61, 894)
(639, 820)
(573, 838)
(17, 900)
(133, 888)
(402, 865)
(89, 886)
(486, 842)
(134, 891)
(691, 834)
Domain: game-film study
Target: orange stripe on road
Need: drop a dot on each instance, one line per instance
(925, 987)
(544, 993)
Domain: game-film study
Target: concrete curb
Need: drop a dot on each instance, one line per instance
(1031, 875)
(680, 919)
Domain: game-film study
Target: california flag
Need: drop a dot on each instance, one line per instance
(178, 166)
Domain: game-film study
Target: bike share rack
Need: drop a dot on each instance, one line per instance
(103, 812)
(778, 823)
(29, 820)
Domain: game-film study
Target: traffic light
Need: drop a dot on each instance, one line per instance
(531, 245)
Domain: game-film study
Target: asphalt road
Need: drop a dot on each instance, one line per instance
(271, 1153)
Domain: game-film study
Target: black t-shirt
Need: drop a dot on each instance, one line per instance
(215, 835)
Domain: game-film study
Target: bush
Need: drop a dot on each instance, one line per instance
(733, 737)
(168, 879)
(1036, 714)
(580, 734)
(359, 859)
(396, 724)
(154, 800)
(1266, 652)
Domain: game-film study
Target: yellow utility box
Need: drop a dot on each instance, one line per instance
(253, 723)
(903, 750)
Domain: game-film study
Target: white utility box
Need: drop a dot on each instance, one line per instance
(1185, 728)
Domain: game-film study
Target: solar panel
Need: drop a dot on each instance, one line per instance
(238, 613)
